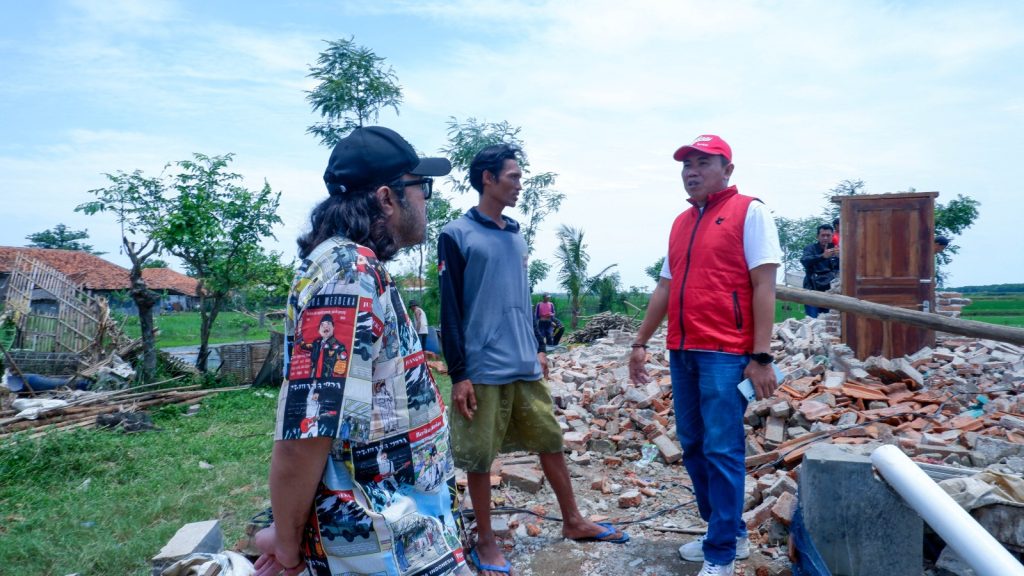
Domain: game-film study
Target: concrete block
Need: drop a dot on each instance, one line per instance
(784, 508)
(189, 539)
(783, 485)
(630, 499)
(760, 514)
(775, 430)
(500, 525)
(669, 450)
(523, 476)
(1005, 524)
(845, 507)
(601, 446)
(576, 440)
(780, 409)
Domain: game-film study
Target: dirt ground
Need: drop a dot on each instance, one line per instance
(640, 556)
(651, 551)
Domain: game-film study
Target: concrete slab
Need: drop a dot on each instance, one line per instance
(189, 539)
(858, 524)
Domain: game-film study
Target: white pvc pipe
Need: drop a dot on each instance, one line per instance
(967, 538)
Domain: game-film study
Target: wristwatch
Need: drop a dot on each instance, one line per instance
(762, 358)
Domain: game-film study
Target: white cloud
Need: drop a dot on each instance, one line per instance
(808, 93)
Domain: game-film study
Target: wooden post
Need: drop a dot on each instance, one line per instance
(902, 315)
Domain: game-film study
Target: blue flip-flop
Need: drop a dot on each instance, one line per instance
(604, 536)
(506, 569)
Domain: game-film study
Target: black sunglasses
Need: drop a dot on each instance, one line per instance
(425, 182)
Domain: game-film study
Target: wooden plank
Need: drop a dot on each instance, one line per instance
(912, 317)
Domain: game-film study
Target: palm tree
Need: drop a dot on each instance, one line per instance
(573, 260)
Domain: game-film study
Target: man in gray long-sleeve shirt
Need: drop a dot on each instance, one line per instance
(495, 361)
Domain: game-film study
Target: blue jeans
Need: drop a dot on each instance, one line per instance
(709, 423)
(813, 311)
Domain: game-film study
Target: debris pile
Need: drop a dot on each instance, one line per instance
(960, 404)
(68, 410)
(598, 326)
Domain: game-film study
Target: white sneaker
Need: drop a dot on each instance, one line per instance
(710, 569)
(693, 551)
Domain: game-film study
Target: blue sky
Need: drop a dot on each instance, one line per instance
(928, 95)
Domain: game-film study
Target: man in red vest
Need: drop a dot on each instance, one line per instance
(718, 288)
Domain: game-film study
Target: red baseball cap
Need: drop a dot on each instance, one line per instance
(708, 144)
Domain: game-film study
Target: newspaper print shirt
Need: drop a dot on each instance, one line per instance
(355, 372)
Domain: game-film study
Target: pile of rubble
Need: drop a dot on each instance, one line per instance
(960, 404)
(600, 325)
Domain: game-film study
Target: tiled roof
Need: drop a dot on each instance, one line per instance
(95, 273)
(167, 279)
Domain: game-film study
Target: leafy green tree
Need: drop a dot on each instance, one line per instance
(271, 280)
(354, 86)
(61, 238)
(606, 287)
(951, 219)
(795, 234)
(654, 270)
(538, 271)
(215, 226)
(844, 188)
(156, 263)
(140, 207)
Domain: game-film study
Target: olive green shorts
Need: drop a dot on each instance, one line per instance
(508, 418)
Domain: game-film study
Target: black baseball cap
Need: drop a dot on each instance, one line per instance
(374, 155)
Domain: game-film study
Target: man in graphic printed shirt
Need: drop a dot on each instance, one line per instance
(377, 205)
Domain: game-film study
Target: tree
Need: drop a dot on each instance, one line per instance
(844, 188)
(795, 234)
(215, 226)
(606, 287)
(538, 198)
(156, 263)
(538, 271)
(61, 238)
(354, 86)
(573, 262)
(139, 205)
(654, 270)
(951, 219)
(271, 281)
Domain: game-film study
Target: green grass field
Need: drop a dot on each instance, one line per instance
(182, 328)
(100, 502)
(1005, 309)
(97, 502)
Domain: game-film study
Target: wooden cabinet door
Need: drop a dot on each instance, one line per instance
(886, 256)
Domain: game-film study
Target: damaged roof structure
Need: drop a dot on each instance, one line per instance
(102, 278)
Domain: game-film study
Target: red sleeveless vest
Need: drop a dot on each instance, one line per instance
(711, 301)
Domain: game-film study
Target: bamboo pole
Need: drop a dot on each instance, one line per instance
(926, 320)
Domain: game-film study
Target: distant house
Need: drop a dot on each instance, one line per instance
(102, 278)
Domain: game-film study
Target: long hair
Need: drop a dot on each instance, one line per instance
(356, 215)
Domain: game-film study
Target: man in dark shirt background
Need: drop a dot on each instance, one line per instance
(821, 264)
